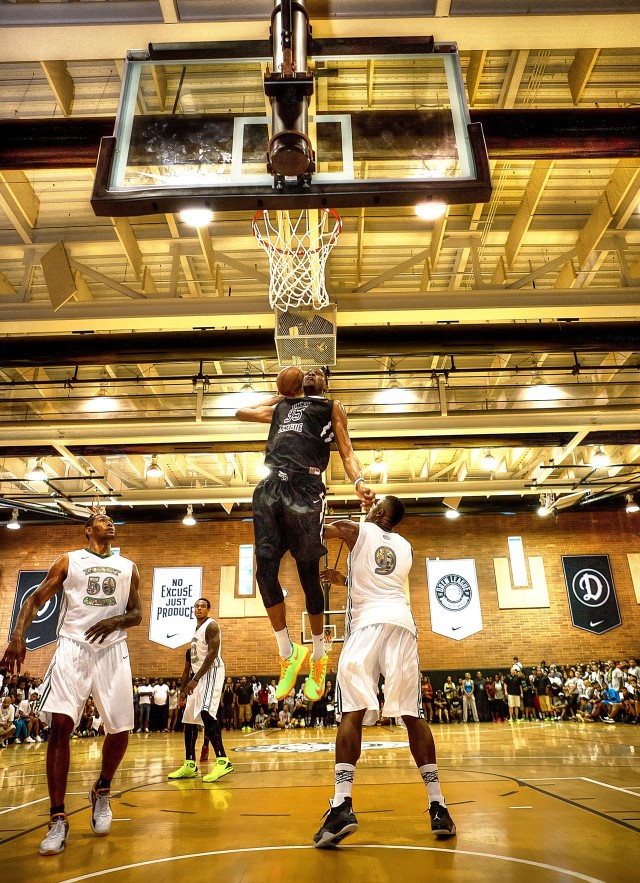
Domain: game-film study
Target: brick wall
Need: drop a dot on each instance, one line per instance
(248, 645)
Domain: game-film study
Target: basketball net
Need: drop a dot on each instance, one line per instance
(327, 639)
(98, 508)
(297, 247)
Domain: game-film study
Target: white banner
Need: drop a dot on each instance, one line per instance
(175, 591)
(454, 598)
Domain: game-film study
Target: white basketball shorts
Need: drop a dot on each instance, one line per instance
(206, 696)
(77, 671)
(388, 650)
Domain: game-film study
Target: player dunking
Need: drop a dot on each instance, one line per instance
(100, 602)
(288, 513)
(202, 682)
(381, 639)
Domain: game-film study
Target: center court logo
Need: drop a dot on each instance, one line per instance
(591, 587)
(453, 592)
(315, 747)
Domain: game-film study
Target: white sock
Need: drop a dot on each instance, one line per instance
(285, 647)
(344, 782)
(429, 773)
(318, 647)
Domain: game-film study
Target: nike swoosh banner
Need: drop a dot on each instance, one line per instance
(592, 594)
(44, 627)
(175, 591)
(454, 598)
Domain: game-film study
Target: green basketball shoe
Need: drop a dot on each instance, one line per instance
(289, 669)
(188, 770)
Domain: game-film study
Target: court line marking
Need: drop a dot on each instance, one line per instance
(613, 787)
(586, 779)
(576, 875)
(22, 805)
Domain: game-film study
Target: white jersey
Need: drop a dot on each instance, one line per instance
(200, 648)
(379, 565)
(96, 588)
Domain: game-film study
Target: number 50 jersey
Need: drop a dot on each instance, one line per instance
(96, 588)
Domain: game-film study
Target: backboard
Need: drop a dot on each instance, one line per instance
(388, 120)
(334, 626)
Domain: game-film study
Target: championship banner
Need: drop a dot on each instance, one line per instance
(592, 594)
(43, 629)
(175, 591)
(454, 598)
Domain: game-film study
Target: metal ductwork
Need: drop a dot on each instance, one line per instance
(590, 133)
(189, 346)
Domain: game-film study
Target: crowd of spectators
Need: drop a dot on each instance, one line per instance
(585, 692)
(20, 719)
(246, 704)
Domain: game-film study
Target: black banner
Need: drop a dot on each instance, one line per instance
(592, 594)
(43, 629)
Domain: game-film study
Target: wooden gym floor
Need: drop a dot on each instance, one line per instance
(534, 802)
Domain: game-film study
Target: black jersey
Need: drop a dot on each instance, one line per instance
(300, 436)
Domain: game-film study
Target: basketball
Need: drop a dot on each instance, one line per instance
(289, 381)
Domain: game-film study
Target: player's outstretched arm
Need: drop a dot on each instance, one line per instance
(52, 583)
(344, 529)
(261, 412)
(131, 617)
(213, 648)
(351, 463)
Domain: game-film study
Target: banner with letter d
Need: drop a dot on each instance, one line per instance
(453, 598)
(175, 591)
(592, 594)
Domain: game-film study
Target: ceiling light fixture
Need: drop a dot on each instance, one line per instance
(196, 217)
(14, 524)
(38, 473)
(154, 469)
(631, 506)
(600, 458)
(546, 505)
(103, 401)
(489, 462)
(430, 211)
(378, 467)
(189, 518)
(393, 393)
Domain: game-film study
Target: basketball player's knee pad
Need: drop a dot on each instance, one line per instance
(267, 579)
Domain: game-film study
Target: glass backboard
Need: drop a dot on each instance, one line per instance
(388, 121)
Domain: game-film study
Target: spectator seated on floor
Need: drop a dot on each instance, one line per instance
(455, 709)
(284, 719)
(440, 707)
(261, 720)
(633, 699)
(299, 713)
(273, 718)
(20, 720)
(95, 725)
(559, 704)
(611, 705)
(7, 726)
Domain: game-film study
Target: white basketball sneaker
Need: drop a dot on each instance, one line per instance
(101, 814)
(57, 835)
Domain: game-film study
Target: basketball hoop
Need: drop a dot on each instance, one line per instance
(298, 250)
(327, 639)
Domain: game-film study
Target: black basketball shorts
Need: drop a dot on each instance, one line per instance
(288, 515)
